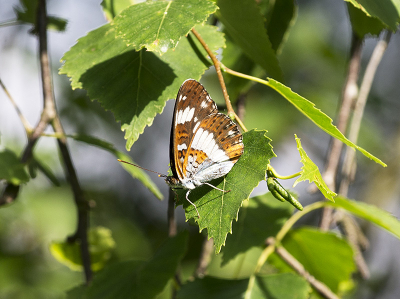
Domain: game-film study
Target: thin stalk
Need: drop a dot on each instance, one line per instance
(27, 126)
(282, 177)
(231, 112)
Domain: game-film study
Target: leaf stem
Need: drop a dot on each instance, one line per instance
(244, 76)
(217, 65)
(281, 177)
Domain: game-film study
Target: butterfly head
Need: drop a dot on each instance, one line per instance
(173, 182)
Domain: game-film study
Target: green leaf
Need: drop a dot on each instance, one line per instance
(363, 24)
(135, 172)
(316, 116)
(134, 279)
(211, 287)
(135, 86)
(260, 218)
(280, 20)
(11, 168)
(245, 25)
(387, 11)
(159, 25)
(324, 255)
(217, 209)
(370, 213)
(111, 8)
(282, 286)
(28, 12)
(310, 172)
(101, 244)
(234, 58)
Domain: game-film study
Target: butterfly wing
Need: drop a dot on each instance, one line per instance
(215, 148)
(193, 104)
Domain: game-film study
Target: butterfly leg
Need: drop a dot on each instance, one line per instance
(216, 188)
(187, 198)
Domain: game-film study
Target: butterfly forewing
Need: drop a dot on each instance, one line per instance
(193, 104)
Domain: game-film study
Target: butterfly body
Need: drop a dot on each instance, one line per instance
(204, 144)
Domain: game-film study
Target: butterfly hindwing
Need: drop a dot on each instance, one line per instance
(214, 148)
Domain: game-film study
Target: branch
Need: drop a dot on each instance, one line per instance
(351, 228)
(205, 257)
(348, 96)
(217, 65)
(171, 214)
(358, 114)
(50, 115)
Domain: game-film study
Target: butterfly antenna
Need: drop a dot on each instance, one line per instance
(159, 174)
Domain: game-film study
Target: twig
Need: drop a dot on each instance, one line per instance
(351, 228)
(231, 112)
(172, 230)
(353, 235)
(348, 96)
(205, 257)
(11, 191)
(50, 115)
(365, 88)
(240, 105)
(25, 123)
(11, 23)
(171, 214)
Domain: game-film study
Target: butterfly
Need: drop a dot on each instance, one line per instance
(204, 144)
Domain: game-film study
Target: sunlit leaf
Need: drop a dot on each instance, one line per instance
(363, 24)
(217, 209)
(135, 86)
(101, 244)
(324, 255)
(310, 172)
(11, 168)
(159, 25)
(111, 8)
(387, 11)
(245, 25)
(370, 213)
(136, 172)
(316, 116)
